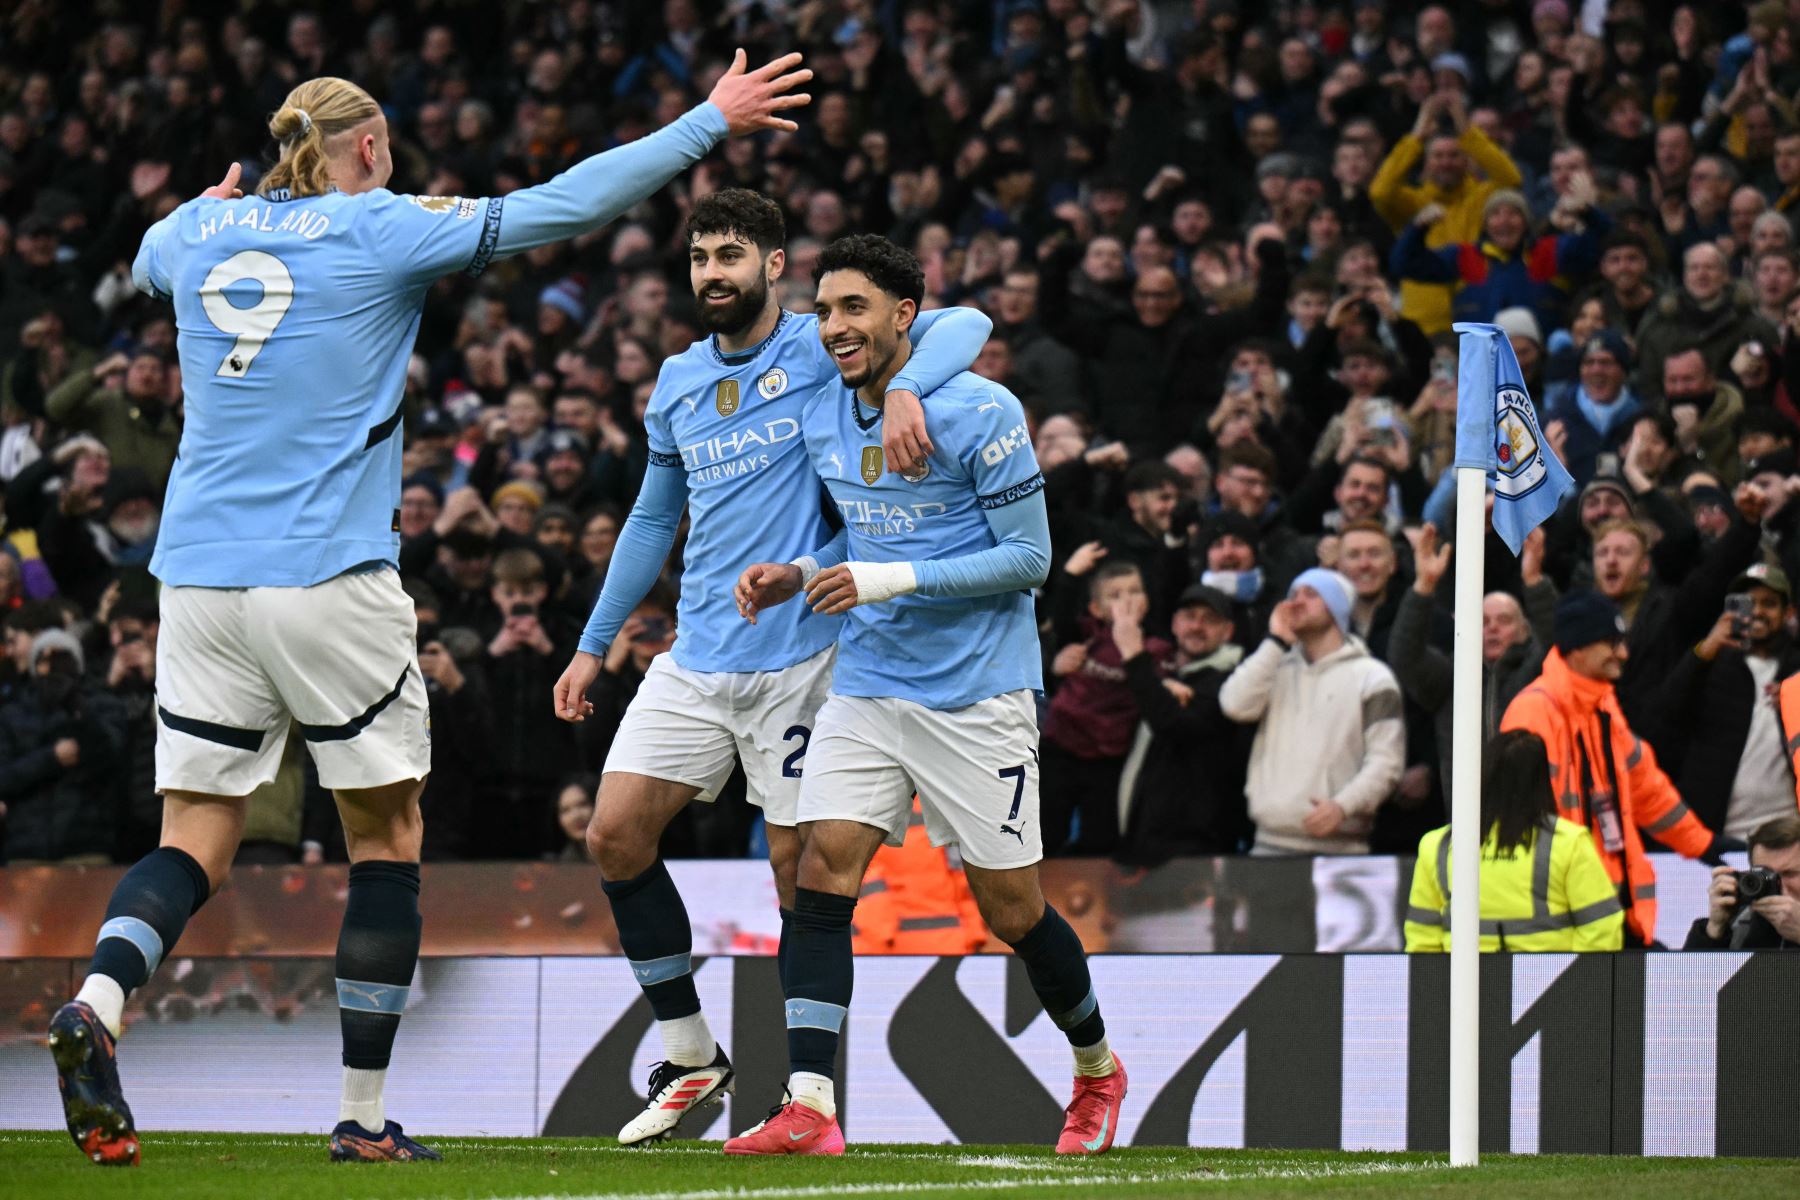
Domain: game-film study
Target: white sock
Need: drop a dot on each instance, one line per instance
(1095, 1060)
(362, 1100)
(103, 994)
(687, 1041)
(815, 1091)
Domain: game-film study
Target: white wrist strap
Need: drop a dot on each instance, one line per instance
(876, 582)
(809, 566)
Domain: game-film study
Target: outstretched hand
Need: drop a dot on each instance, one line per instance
(750, 100)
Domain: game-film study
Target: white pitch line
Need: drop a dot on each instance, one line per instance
(1089, 1180)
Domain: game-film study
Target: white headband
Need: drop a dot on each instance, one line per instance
(305, 122)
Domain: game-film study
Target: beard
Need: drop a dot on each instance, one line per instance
(740, 313)
(877, 356)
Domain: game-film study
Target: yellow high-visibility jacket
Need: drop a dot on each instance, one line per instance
(1553, 895)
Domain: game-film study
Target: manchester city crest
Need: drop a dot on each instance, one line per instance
(872, 464)
(726, 400)
(774, 381)
(1518, 458)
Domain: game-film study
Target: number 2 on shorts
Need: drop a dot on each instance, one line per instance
(254, 325)
(790, 766)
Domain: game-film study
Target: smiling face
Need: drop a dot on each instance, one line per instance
(860, 325)
(1363, 491)
(1601, 375)
(1768, 615)
(731, 280)
(1506, 227)
(1199, 630)
(1367, 558)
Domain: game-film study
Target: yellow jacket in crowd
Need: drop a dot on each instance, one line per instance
(1553, 895)
(1398, 202)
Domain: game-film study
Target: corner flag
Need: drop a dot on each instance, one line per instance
(1497, 431)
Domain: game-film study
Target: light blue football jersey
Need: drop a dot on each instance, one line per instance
(295, 319)
(943, 652)
(731, 423)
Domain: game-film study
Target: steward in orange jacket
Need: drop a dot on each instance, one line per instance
(1605, 778)
(914, 902)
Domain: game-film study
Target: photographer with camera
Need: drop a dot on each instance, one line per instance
(59, 743)
(1758, 909)
(532, 750)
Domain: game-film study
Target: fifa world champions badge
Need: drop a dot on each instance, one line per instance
(726, 400)
(1518, 447)
(872, 464)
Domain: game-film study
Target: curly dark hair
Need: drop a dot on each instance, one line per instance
(890, 268)
(741, 211)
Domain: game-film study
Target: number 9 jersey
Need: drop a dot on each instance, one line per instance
(296, 319)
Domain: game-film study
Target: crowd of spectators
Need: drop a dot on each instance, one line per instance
(1222, 245)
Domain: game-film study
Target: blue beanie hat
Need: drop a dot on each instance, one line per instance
(1333, 588)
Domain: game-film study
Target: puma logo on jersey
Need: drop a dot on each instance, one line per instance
(984, 407)
(693, 403)
(837, 465)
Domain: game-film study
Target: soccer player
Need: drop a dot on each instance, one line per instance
(933, 691)
(281, 604)
(724, 426)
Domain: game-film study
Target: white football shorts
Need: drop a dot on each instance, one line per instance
(975, 770)
(235, 667)
(691, 726)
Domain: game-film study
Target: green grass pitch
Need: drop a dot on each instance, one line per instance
(46, 1166)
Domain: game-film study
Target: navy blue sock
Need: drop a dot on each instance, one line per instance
(820, 973)
(656, 937)
(781, 949)
(146, 915)
(378, 947)
(1058, 969)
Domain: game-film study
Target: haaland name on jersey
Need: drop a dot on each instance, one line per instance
(303, 222)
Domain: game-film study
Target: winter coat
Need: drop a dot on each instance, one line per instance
(1325, 730)
(1182, 790)
(1666, 621)
(1486, 279)
(130, 435)
(1585, 445)
(1594, 755)
(1092, 714)
(55, 811)
(1398, 202)
(1710, 705)
(1425, 674)
(1676, 320)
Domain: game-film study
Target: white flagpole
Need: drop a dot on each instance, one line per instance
(1465, 820)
